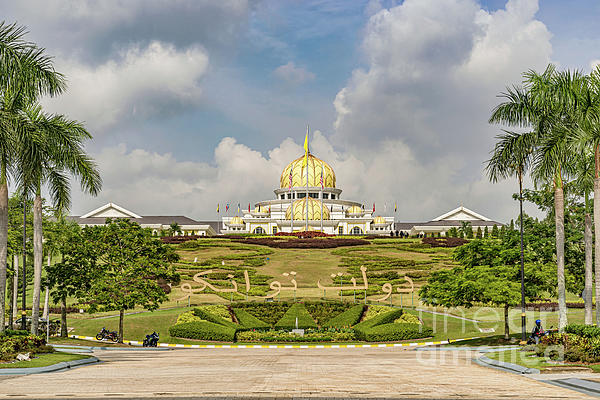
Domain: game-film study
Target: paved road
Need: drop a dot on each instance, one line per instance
(369, 372)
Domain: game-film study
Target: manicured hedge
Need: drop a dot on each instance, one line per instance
(16, 342)
(267, 312)
(249, 321)
(203, 330)
(288, 321)
(317, 243)
(323, 311)
(396, 331)
(588, 331)
(199, 312)
(349, 317)
(361, 329)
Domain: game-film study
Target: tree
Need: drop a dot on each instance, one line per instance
(465, 229)
(72, 276)
(131, 265)
(495, 232)
(174, 229)
(486, 233)
(50, 149)
(487, 285)
(25, 74)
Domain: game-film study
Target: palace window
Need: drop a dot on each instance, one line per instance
(314, 195)
(274, 230)
(356, 230)
(283, 196)
(259, 230)
(341, 230)
(301, 195)
(325, 195)
(332, 196)
(289, 196)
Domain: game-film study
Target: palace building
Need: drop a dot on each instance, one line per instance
(307, 199)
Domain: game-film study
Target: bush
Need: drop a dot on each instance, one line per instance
(218, 310)
(323, 311)
(445, 242)
(13, 344)
(267, 312)
(203, 330)
(361, 329)
(249, 321)
(588, 331)
(407, 318)
(14, 332)
(395, 332)
(210, 317)
(186, 317)
(348, 318)
(375, 310)
(311, 335)
(288, 321)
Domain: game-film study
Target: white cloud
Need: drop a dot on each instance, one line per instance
(594, 64)
(293, 74)
(143, 82)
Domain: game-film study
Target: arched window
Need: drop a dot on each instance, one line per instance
(259, 231)
(356, 230)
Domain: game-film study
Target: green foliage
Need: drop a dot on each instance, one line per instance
(323, 311)
(267, 312)
(297, 310)
(203, 330)
(11, 345)
(407, 318)
(311, 335)
(186, 317)
(348, 318)
(362, 328)
(219, 310)
(202, 313)
(376, 309)
(395, 332)
(249, 321)
(588, 331)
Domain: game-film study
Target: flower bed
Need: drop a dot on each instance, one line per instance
(311, 335)
(325, 243)
(15, 342)
(444, 242)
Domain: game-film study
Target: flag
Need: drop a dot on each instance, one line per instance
(395, 207)
(227, 207)
(217, 208)
(248, 207)
(269, 209)
(238, 207)
(373, 207)
(305, 161)
(291, 177)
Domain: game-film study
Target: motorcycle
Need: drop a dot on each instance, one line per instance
(106, 334)
(537, 337)
(151, 340)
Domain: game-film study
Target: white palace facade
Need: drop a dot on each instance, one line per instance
(316, 205)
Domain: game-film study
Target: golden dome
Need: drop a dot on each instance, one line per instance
(261, 210)
(314, 173)
(379, 220)
(354, 210)
(236, 221)
(314, 210)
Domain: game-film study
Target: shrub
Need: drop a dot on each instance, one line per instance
(574, 354)
(376, 309)
(267, 312)
(361, 329)
(203, 330)
(186, 317)
(217, 309)
(311, 335)
(323, 311)
(317, 243)
(14, 332)
(394, 332)
(13, 344)
(445, 241)
(249, 321)
(288, 321)
(349, 317)
(407, 318)
(210, 317)
(588, 331)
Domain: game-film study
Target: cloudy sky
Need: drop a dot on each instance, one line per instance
(199, 102)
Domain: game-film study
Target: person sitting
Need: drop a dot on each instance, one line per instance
(537, 331)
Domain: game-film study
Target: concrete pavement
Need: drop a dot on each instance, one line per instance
(358, 372)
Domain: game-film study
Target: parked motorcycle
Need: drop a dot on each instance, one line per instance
(151, 340)
(106, 334)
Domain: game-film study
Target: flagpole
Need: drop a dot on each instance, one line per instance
(307, 152)
(322, 184)
(292, 198)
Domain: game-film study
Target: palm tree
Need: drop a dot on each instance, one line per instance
(25, 74)
(174, 228)
(50, 148)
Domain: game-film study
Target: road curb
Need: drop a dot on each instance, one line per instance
(283, 346)
(506, 366)
(91, 349)
(49, 368)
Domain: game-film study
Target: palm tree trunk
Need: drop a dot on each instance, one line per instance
(587, 237)
(3, 244)
(15, 298)
(63, 316)
(506, 324)
(37, 261)
(46, 312)
(559, 212)
(597, 228)
(523, 313)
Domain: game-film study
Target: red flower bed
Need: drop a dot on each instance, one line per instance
(305, 234)
(303, 243)
(444, 242)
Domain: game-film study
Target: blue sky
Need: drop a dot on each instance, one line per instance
(194, 103)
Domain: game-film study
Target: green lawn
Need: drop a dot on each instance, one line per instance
(43, 360)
